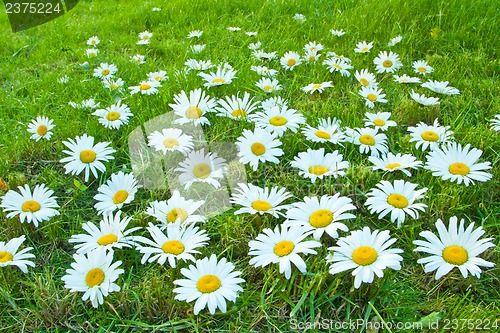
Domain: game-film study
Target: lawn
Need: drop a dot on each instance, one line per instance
(44, 68)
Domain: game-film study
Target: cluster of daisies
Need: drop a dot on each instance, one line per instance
(176, 237)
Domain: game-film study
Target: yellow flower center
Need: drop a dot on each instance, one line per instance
(284, 248)
(219, 80)
(397, 200)
(364, 49)
(5, 256)
(173, 247)
(372, 97)
(268, 88)
(278, 121)
(120, 196)
(291, 62)
(311, 58)
(321, 218)
(145, 37)
(238, 113)
(158, 78)
(455, 255)
(105, 72)
(367, 139)
(113, 86)
(31, 206)
(316, 86)
(323, 135)
(170, 143)
(258, 148)
(379, 122)
(41, 130)
(201, 170)
(392, 166)
(87, 156)
(387, 63)
(459, 169)
(208, 283)
(261, 205)
(430, 136)
(92, 54)
(337, 66)
(364, 255)
(422, 69)
(94, 277)
(193, 112)
(112, 116)
(145, 86)
(318, 169)
(93, 42)
(177, 213)
(107, 239)
(364, 81)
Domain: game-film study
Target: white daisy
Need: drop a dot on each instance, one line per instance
(278, 120)
(209, 282)
(255, 199)
(235, 107)
(105, 70)
(379, 120)
(195, 34)
(110, 234)
(422, 99)
(251, 33)
(422, 67)
(398, 199)
(282, 246)
(328, 130)
(175, 209)
(175, 242)
(156, 9)
(313, 46)
(456, 164)
(372, 94)
(113, 84)
(221, 76)
(264, 71)
(366, 78)
(387, 62)
(268, 85)
(363, 47)
(34, 207)
(319, 87)
(201, 167)
(290, 60)
(118, 190)
(264, 56)
(254, 46)
(259, 146)
(321, 214)
(391, 163)
(93, 274)
(441, 87)
(406, 79)
(145, 37)
(63, 80)
(198, 65)
(338, 33)
(10, 257)
(86, 157)
(192, 109)
(369, 141)
(367, 253)
(495, 123)
(114, 116)
(89, 104)
(40, 128)
(271, 102)
(158, 76)
(315, 164)
(145, 88)
(198, 48)
(334, 55)
(311, 56)
(170, 140)
(338, 65)
(233, 29)
(455, 247)
(91, 52)
(430, 136)
(138, 59)
(299, 18)
(94, 40)
(395, 40)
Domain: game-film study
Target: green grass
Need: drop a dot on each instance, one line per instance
(464, 52)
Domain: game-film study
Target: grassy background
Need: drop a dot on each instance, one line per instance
(464, 52)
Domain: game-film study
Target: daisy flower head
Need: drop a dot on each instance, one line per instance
(495, 123)
(201, 167)
(223, 75)
(170, 140)
(264, 71)
(278, 120)
(138, 59)
(118, 191)
(146, 88)
(94, 40)
(315, 164)
(406, 79)
(258, 200)
(379, 120)
(319, 87)
(175, 242)
(458, 164)
(110, 234)
(9, 255)
(264, 56)
(259, 146)
(235, 107)
(391, 163)
(441, 87)
(198, 48)
(34, 207)
(366, 78)
(328, 130)
(89, 104)
(321, 214)
(156, 9)
(456, 246)
(367, 253)
(395, 40)
(113, 84)
(92, 52)
(195, 34)
(233, 29)
(338, 33)
(387, 62)
(63, 80)
(158, 76)
(422, 67)
(198, 65)
(254, 46)
(268, 85)
(334, 55)
(313, 46)
(176, 209)
(40, 128)
(282, 246)
(299, 18)
(192, 109)
(311, 56)
(105, 71)
(114, 116)
(271, 102)
(422, 99)
(397, 198)
(251, 33)
(338, 65)
(430, 136)
(209, 282)
(371, 95)
(86, 157)
(94, 274)
(363, 47)
(145, 37)
(290, 60)
(370, 141)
